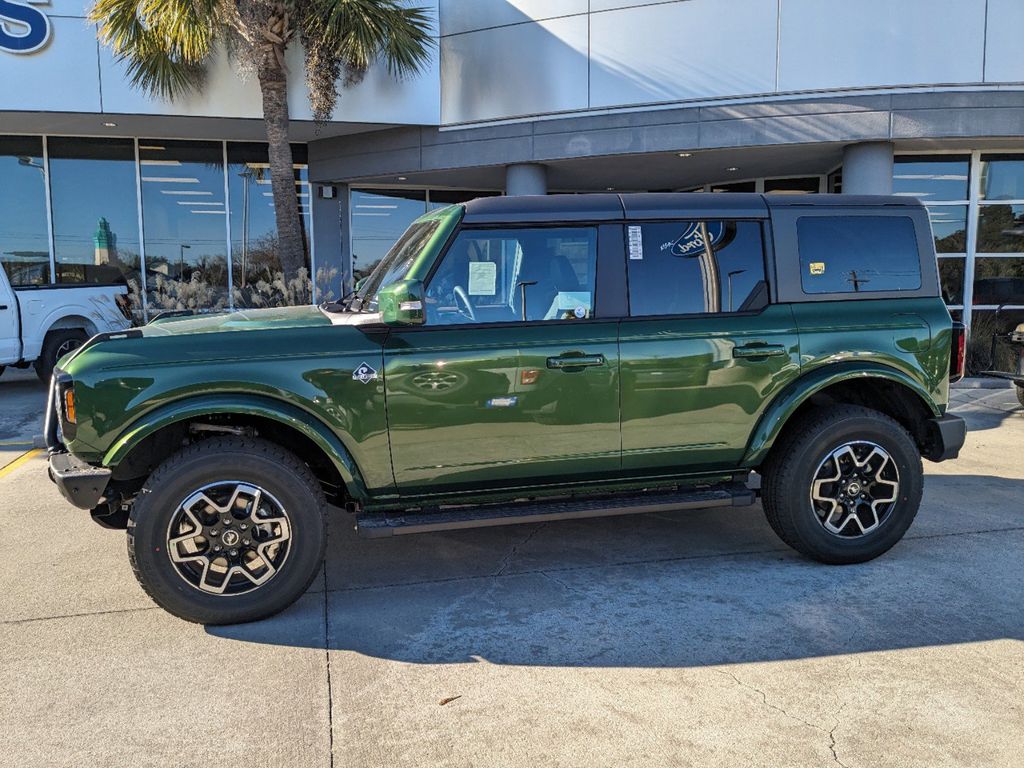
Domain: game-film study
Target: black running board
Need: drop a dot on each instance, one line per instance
(380, 524)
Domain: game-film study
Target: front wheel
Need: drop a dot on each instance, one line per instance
(228, 530)
(55, 346)
(843, 485)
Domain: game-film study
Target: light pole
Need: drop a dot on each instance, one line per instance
(181, 260)
(730, 275)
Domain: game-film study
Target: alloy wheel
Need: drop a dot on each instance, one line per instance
(855, 489)
(229, 538)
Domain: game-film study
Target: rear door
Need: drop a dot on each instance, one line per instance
(496, 391)
(10, 326)
(704, 350)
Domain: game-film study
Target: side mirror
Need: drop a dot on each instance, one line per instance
(360, 283)
(401, 303)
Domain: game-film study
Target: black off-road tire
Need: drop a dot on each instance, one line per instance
(1020, 394)
(247, 460)
(790, 471)
(55, 346)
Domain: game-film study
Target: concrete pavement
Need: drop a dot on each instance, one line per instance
(689, 639)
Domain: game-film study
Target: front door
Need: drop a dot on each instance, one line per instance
(703, 351)
(511, 380)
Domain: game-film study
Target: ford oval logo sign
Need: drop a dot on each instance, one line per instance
(23, 29)
(691, 241)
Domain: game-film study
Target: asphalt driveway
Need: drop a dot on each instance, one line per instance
(689, 639)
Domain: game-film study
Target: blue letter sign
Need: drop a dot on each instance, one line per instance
(23, 29)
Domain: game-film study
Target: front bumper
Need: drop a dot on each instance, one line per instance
(80, 483)
(946, 436)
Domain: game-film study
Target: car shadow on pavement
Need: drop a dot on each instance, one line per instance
(693, 589)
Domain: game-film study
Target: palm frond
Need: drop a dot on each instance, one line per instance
(163, 43)
(351, 35)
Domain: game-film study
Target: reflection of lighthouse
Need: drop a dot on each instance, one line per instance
(104, 244)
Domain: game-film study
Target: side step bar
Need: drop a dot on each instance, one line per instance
(380, 524)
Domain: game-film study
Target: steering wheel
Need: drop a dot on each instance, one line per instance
(466, 309)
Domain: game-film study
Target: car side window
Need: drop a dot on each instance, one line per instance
(486, 274)
(696, 267)
(858, 254)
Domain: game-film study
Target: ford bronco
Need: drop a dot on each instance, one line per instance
(526, 359)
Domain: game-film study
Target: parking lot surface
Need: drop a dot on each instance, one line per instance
(672, 640)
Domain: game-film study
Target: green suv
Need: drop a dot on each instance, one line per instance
(522, 359)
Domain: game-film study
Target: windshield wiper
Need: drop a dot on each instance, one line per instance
(341, 305)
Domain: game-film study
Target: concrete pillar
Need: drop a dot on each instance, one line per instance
(526, 179)
(867, 168)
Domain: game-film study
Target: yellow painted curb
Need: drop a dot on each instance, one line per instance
(20, 460)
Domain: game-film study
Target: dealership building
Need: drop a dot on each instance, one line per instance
(925, 98)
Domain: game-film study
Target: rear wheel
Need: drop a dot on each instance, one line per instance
(1020, 394)
(56, 345)
(228, 530)
(843, 485)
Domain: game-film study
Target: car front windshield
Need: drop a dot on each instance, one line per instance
(396, 264)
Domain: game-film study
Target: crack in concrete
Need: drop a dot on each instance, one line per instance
(832, 736)
(764, 700)
(12, 622)
(507, 560)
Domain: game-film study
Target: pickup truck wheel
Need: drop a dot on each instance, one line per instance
(1020, 393)
(844, 484)
(55, 346)
(228, 530)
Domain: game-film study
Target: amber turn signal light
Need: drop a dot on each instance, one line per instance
(69, 404)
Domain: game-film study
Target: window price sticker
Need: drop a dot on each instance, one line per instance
(636, 242)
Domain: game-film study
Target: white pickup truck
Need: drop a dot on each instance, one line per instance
(42, 324)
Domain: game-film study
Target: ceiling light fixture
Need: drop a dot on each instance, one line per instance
(110, 125)
(685, 154)
(732, 169)
(401, 178)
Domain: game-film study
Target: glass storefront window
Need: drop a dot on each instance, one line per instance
(183, 224)
(256, 267)
(441, 198)
(95, 211)
(24, 241)
(949, 226)
(1001, 229)
(801, 186)
(379, 217)
(1002, 177)
(738, 186)
(999, 280)
(984, 324)
(951, 276)
(932, 177)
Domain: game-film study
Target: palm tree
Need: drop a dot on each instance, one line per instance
(166, 45)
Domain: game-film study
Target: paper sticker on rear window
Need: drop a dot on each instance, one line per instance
(817, 267)
(636, 242)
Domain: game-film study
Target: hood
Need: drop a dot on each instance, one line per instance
(243, 320)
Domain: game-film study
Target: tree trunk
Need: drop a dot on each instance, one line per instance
(274, 87)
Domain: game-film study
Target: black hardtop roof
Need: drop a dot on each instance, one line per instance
(604, 206)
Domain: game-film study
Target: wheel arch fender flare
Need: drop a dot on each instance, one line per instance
(786, 403)
(249, 405)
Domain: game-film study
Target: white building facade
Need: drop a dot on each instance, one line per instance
(917, 97)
